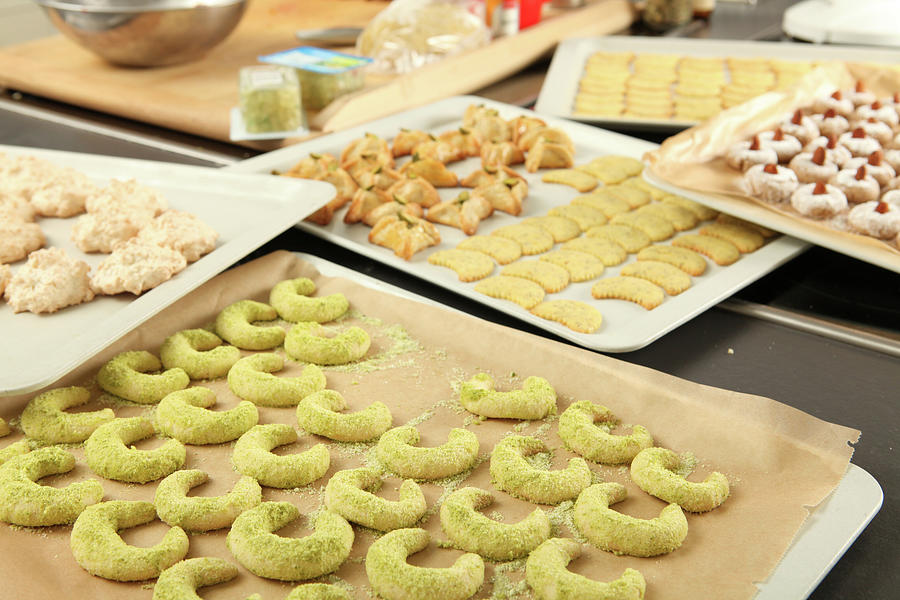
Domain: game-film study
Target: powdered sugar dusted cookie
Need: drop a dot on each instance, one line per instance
(836, 102)
(785, 145)
(877, 219)
(136, 266)
(813, 167)
(801, 127)
(875, 165)
(50, 280)
(859, 143)
(879, 130)
(744, 155)
(181, 231)
(834, 152)
(831, 123)
(818, 200)
(18, 239)
(857, 185)
(771, 183)
(886, 113)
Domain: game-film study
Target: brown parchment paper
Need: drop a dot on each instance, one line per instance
(693, 159)
(779, 460)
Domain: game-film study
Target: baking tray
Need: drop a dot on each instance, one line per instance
(247, 211)
(830, 529)
(557, 95)
(626, 326)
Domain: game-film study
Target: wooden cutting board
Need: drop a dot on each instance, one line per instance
(196, 97)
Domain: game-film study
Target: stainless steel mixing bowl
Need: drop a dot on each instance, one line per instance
(145, 33)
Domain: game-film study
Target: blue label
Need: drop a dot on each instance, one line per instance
(315, 59)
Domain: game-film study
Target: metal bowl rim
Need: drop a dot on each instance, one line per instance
(159, 5)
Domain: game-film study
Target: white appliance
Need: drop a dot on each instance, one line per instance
(868, 22)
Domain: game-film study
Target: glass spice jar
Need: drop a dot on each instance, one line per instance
(661, 15)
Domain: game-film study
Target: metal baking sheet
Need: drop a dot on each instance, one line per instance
(626, 326)
(557, 95)
(247, 210)
(822, 540)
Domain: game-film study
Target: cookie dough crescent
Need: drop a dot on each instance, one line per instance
(100, 551)
(392, 578)
(623, 534)
(195, 513)
(181, 580)
(199, 352)
(318, 413)
(654, 470)
(546, 573)
(235, 325)
(251, 379)
(43, 418)
(512, 473)
(579, 430)
(131, 375)
(316, 591)
(108, 453)
(535, 400)
(291, 299)
(351, 494)
(15, 449)
(25, 502)
(185, 416)
(253, 543)
(253, 456)
(396, 450)
(471, 531)
(308, 342)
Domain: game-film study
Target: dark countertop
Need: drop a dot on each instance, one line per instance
(830, 379)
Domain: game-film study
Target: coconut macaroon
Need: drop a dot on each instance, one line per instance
(49, 281)
(136, 266)
(20, 176)
(127, 194)
(5, 275)
(100, 232)
(18, 239)
(15, 208)
(63, 193)
(181, 231)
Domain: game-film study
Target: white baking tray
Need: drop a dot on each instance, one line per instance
(557, 95)
(246, 210)
(827, 533)
(626, 326)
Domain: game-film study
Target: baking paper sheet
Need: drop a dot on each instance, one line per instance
(692, 162)
(780, 460)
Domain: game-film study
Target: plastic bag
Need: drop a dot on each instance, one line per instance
(411, 33)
